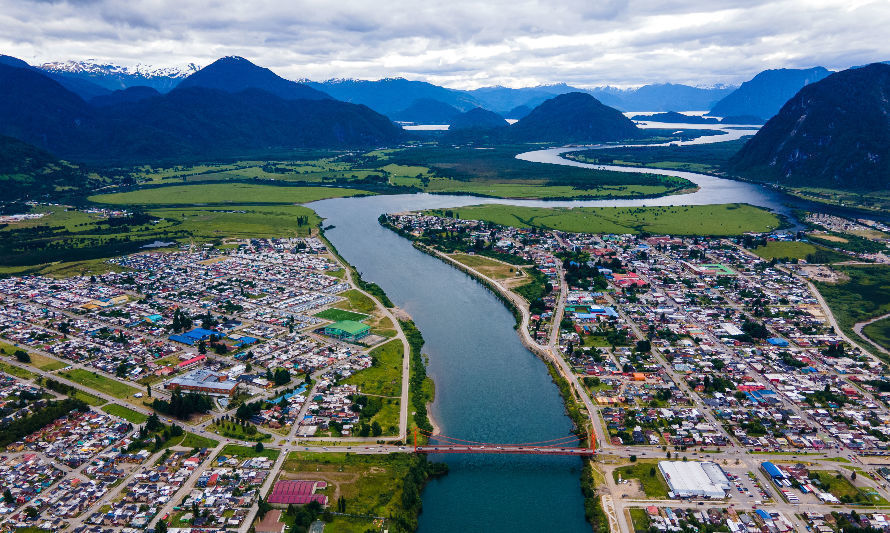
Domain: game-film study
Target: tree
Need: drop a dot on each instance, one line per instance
(853, 476)
(161, 527)
(7, 496)
(644, 346)
(202, 347)
(258, 448)
(22, 356)
(633, 458)
(148, 390)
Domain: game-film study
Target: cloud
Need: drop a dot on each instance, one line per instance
(460, 43)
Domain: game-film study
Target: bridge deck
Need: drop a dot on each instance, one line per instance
(528, 450)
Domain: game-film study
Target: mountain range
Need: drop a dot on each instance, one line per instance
(833, 133)
(767, 92)
(199, 120)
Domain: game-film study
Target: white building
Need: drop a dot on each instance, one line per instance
(695, 479)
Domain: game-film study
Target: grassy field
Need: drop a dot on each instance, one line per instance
(844, 490)
(490, 267)
(47, 364)
(233, 430)
(721, 219)
(86, 397)
(785, 250)
(244, 452)
(879, 331)
(640, 519)
(197, 441)
(238, 221)
(864, 295)
(126, 413)
(223, 193)
(99, 382)
(356, 301)
(16, 371)
(372, 485)
(384, 378)
(654, 485)
(340, 314)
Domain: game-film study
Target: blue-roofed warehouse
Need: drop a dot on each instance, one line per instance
(772, 470)
(194, 336)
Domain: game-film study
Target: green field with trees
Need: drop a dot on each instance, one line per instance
(865, 294)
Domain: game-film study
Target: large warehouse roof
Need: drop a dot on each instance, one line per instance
(695, 479)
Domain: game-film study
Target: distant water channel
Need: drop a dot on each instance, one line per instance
(489, 388)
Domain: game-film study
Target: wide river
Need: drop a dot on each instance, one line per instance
(489, 387)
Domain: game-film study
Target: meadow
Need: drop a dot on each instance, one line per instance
(718, 220)
(223, 193)
(99, 382)
(384, 378)
(864, 295)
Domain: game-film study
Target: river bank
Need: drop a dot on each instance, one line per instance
(593, 509)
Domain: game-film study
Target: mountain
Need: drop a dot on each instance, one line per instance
(115, 78)
(235, 74)
(477, 118)
(654, 97)
(573, 118)
(518, 112)
(833, 133)
(389, 95)
(27, 172)
(426, 111)
(503, 99)
(188, 123)
(83, 88)
(764, 95)
(130, 94)
(667, 97)
(672, 117)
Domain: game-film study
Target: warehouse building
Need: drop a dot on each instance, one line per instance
(348, 330)
(695, 479)
(213, 383)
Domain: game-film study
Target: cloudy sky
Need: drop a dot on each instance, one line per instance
(460, 43)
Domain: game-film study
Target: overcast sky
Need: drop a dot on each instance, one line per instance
(459, 43)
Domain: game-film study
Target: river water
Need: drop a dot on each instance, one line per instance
(490, 388)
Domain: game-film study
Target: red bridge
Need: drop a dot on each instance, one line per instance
(562, 446)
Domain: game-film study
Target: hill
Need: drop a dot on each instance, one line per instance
(188, 123)
(426, 111)
(518, 112)
(764, 95)
(27, 173)
(478, 118)
(573, 118)
(833, 133)
(234, 74)
(389, 95)
(130, 94)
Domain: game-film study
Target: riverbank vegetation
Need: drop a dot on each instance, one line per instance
(420, 386)
(702, 158)
(716, 220)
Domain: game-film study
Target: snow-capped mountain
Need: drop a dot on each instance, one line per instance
(115, 77)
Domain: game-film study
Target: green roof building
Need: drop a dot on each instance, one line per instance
(348, 330)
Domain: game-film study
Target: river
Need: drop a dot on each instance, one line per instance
(490, 388)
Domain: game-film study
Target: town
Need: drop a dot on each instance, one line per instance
(698, 350)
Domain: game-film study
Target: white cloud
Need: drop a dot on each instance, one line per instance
(460, 43)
